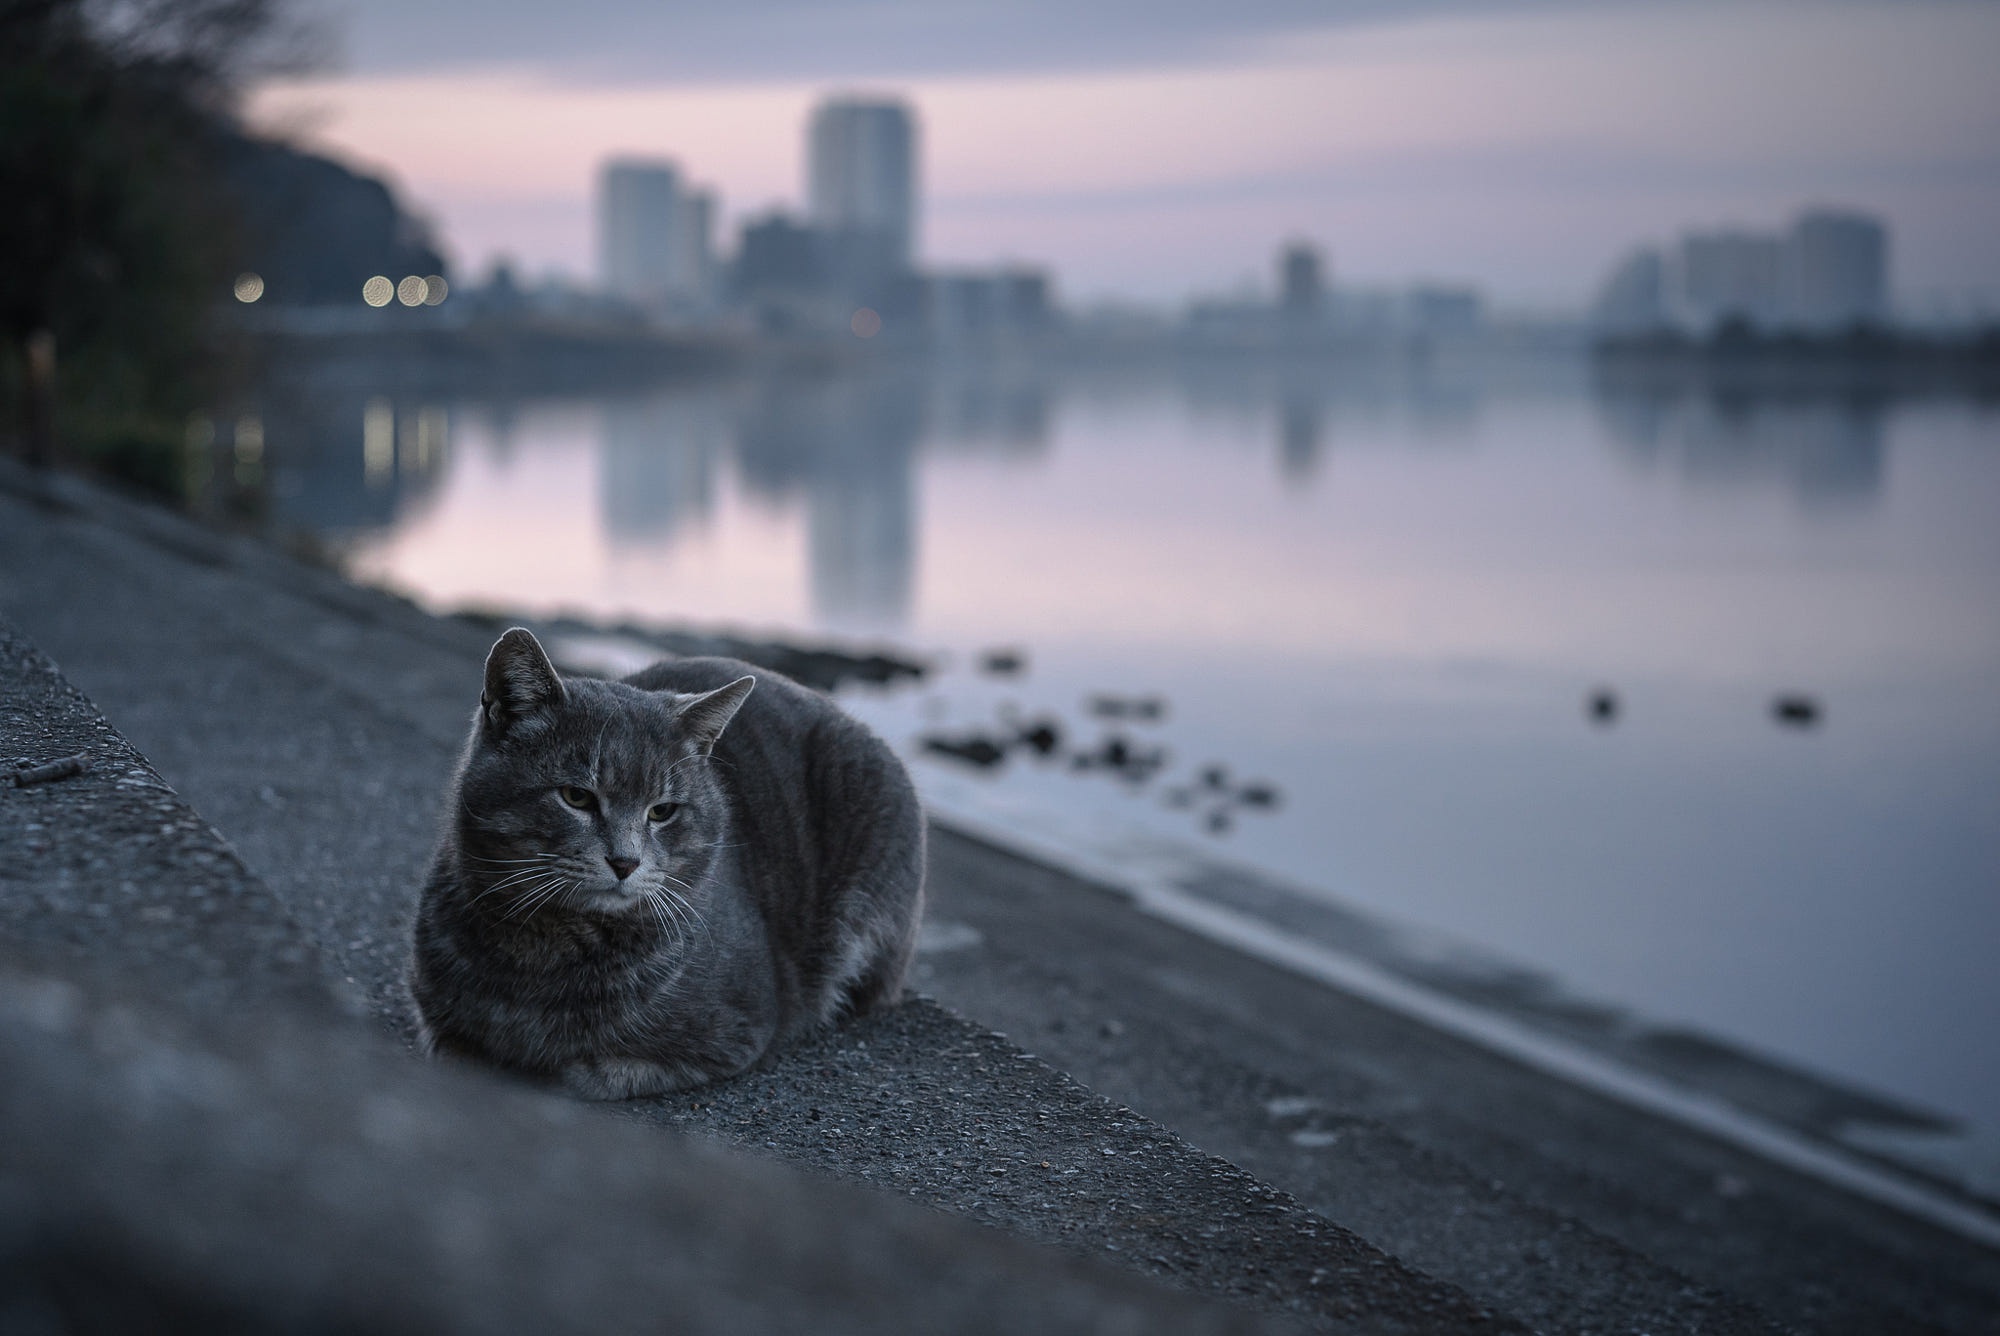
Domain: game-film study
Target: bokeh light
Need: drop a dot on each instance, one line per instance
(378, 291)
(435, 289)
(249, 287)
(866, 323)
(412, 291)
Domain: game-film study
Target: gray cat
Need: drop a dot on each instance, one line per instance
(649, 884)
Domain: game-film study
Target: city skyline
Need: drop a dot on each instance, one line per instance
(1524, 148)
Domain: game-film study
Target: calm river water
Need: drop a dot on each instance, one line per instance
(1388, 595)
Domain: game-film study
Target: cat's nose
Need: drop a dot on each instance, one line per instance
(624, 867)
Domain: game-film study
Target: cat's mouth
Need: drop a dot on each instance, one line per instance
(615, 898)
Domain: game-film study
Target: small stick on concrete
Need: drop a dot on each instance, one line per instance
(65, 767)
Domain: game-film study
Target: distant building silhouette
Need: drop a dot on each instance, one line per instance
(1432, 309)
(653, 235)
(1730, 275)
(782, 277)
(1634, 299)
(1827, 272)
(861, 164)
(1301, 283)
(1836, 271)
(972, 306)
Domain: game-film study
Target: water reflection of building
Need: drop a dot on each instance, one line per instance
(340, 463)
(993, 411)
(1299, 427)
(848, 444)
(1827, 451)
(656, 464)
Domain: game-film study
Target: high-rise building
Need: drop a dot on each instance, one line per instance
(654, 235)
(861, 165)
(1836, 270)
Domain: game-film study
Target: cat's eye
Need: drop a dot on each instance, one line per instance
(662, 811)
(583, 800)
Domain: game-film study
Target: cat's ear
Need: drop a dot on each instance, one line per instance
(520, 681)
(704, 717)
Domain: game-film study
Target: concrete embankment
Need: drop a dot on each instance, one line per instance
(1390, 1178)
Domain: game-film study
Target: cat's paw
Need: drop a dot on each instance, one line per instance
(622, 1078)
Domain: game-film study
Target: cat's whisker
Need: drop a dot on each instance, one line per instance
(540, 894)
(512, 879)
(685, 911)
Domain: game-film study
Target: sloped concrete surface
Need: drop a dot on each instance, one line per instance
(168, 1171)
(1408, 1182)
(108, 873)
(251, 1153)
(193, 1133)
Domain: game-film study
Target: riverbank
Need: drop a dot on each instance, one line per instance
(312, 723)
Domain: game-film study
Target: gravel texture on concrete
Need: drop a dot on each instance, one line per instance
(1185, 1215)
(194, 1136)
(921, 1103)
(261, 1170)
(107, 872)
(1537, 1198)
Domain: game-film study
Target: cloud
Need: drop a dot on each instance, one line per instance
(851, 40)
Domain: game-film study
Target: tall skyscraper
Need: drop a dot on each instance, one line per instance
(653, 234)
(862, 177)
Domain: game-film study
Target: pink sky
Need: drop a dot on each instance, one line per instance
(1521, 149)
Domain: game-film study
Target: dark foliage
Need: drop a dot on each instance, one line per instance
(118, 240)
(315, 230)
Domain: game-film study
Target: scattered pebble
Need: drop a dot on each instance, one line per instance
(974, 749)
(1601, 706)
(64, 767)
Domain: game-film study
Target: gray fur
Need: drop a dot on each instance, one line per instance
(782, 893)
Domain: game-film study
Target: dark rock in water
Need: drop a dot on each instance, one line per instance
(1601, 706)
(821, 667)
(1145, 709)
(974, 749)
(1258, 795)
(1003, 662)
(1178, 797)
(1215, 777)
(1796, 710)
(1219, 821)
(1044, 736)
(1131, 763)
